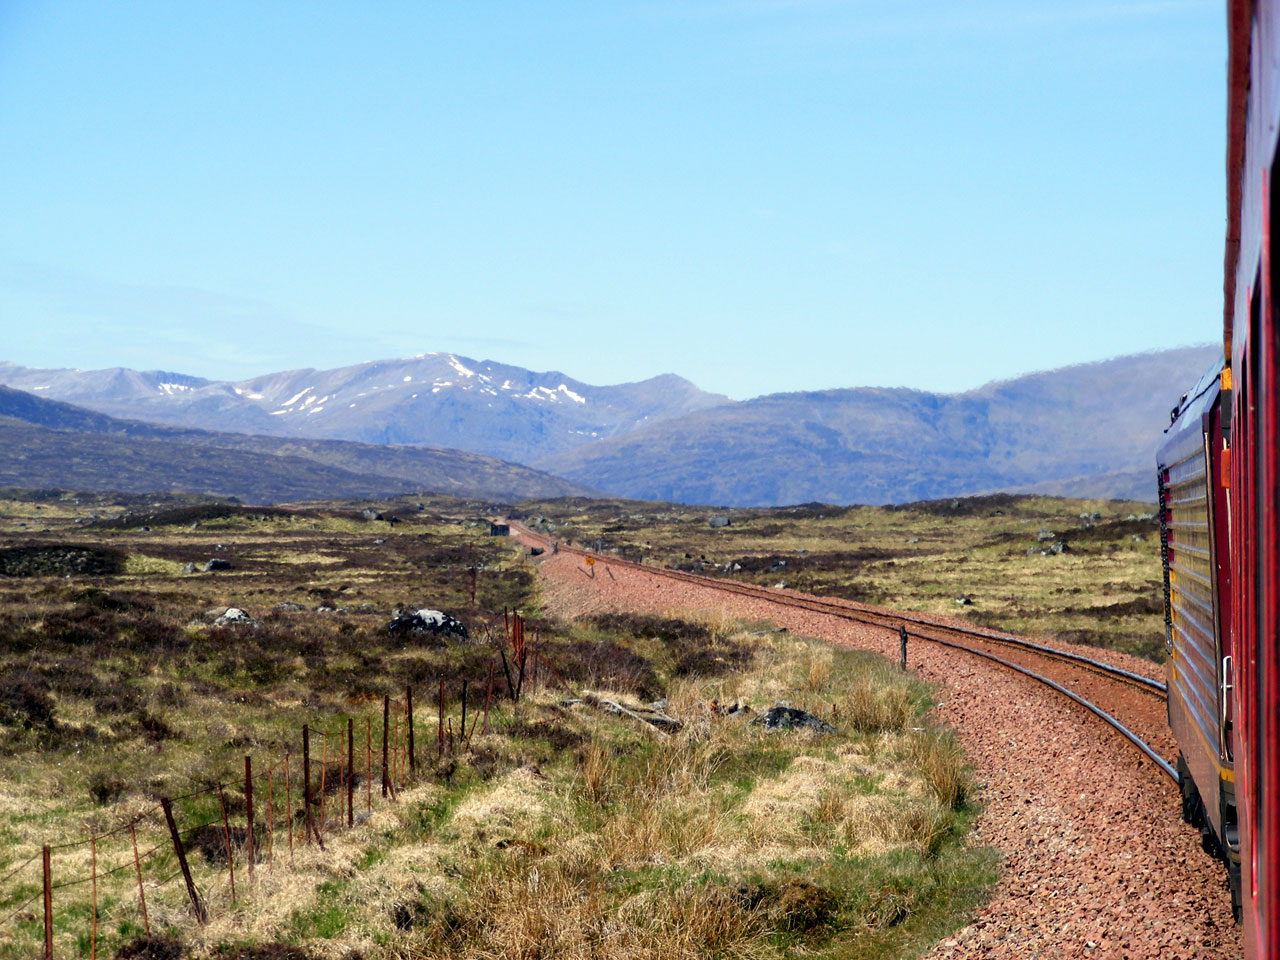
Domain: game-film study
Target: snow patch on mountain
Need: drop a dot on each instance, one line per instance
(439, 399)
(457, 365)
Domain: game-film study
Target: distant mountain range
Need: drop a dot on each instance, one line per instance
(46, 443)
(1087, 430)
(437, 399)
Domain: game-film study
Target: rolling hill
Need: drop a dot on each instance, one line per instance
(1087, 430)
(436, 399)
(46, 443)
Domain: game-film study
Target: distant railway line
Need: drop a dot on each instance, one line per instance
(1128, 702)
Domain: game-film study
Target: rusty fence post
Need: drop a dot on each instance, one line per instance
(271, 825)
(137, 866)
(306, 778)
(226, 836)
(395, 750)
(506, 672)
(488, 692)
(413, 756)
(902, 647)
(196, 906)
(338, 751)
(324, 767)
(248, 813)
(48, 906)
(386, 730)
(368, 763)
(462, 728)
(93, 896)
(403, 715)
(440, 722)
(288, 806)
(351, 771)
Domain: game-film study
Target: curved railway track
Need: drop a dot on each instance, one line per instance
(952, 637)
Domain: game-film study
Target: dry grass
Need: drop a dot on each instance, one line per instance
(938, 759)
(565, 832)
(878, 700)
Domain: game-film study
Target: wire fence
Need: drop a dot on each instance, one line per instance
(137, 877)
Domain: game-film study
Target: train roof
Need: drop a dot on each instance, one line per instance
(1192, 406)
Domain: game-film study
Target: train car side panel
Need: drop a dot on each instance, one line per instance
(1195, 602)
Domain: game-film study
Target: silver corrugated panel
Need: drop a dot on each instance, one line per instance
(1191, 591)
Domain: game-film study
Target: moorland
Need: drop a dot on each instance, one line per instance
(550, 825)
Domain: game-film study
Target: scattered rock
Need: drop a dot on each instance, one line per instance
(289, 607)
(964, 600)
(434, 622)
(716, 521)
(1044, 535)
(216, 563)
(782, 717)
(188, 569)
(536, 551)
(370, 514)
(235, 617)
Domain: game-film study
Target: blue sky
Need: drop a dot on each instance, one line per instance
(760, 196)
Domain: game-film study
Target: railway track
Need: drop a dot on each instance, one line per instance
(969, 640)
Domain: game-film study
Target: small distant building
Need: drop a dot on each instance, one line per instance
(499, 530)
(717, 520)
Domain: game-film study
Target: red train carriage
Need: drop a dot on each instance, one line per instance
(1250, 335)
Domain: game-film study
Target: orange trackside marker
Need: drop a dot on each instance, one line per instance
(1226, 468)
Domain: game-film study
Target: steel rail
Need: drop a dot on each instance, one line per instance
(1097, 711)
(860, 614)
(867, 613)
(844, 606)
